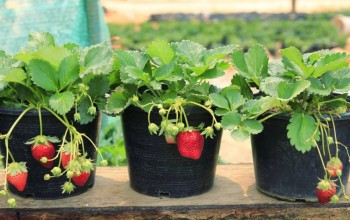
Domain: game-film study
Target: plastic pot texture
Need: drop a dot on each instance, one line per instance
(285, 173)
(156, 168)
(27, 128)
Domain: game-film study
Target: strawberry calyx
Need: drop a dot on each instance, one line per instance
(42, 139)
(15, 168)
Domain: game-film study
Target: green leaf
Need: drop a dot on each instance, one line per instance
(252, 126)
(330, 62)
(289, 90)
(218, 53)
(192, 52)
(98, 86)
(219, 101)
(168, 72)
(131, 59)
(339, 80)
(162, 51)
(83, 106)
(231, 120)
(234, 98)
(6, 63)
(252, 64)
(257, 61)
(302, 128)
(317, 87)
(239, 81)
(293, 61)
(240, 134)
(118, 101)
(134, 75)
(43, 74)
(212, 73)
(62, 102)
(97, 59)
(68, 71)
(283, 89)
(38, 40)
(16, 75)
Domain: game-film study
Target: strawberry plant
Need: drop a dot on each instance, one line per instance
(310, 88)
(61, 80)
(169, 78)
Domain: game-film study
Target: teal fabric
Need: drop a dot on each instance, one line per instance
(78, 21)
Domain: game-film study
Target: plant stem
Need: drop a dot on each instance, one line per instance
(40, 120)
(320, 155)
(269, 116)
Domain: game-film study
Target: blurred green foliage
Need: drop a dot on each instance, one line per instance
(111, 142)
(309, 33)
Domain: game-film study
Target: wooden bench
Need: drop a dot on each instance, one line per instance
(233, 196)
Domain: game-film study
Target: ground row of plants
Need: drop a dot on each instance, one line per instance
(309, 33)
(52, 96)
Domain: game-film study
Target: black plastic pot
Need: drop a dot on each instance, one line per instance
(285, 173)
(27, 128)
(156, 168)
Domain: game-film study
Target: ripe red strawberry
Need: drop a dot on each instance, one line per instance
(66, 155)
(42, 147)
(81, 179)
(190, 144)
(81, 168)
(325, 190)
(334, 167)
(17, 175)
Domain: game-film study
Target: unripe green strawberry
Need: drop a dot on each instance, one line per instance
(77, 116)
(47, 177)
(68, 187)
(324, 191)
(11, 202)
(334, 167)
(135, 98)
(153, 128)
(218, 126)
(208, 132)
(190, 144)
(92, 110)
(3, 192)
(56, 171)
(162, 111)
(180, 125)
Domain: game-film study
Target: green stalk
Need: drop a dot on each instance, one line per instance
(40, 120)
(320, 155)
(335, 137)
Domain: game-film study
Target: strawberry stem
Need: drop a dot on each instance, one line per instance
(320, 155)
(40, 120)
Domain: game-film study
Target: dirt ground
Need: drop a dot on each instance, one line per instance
(138, 11)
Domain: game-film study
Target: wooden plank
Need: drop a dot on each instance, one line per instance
(233, 196)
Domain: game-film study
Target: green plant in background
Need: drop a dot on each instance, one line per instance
(311, 88)
(111, 142)
(311, 33)
(59, 79)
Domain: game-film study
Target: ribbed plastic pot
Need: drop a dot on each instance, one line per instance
(27, 128)
(156, 168)
(285, 173)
